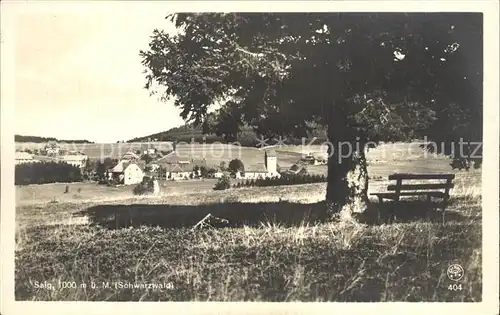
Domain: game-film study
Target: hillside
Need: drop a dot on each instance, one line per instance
(36, 139)
(189, 133)
(182, 132)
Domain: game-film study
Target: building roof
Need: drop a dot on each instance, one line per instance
(179, 167)
(119, 168)
(173, 158)
(46, 158)
(122, 166)
(271, 153)
(23, 156)
(140, 164)
(257, 168)
(74, 157)
(130, 154)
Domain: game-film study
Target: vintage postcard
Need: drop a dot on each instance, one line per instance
(287, 157)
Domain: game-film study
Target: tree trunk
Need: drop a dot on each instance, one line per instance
(347, 190)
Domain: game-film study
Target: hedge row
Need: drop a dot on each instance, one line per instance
(46, 172)
(285, 179)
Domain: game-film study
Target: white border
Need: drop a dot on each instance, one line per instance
(490, 302)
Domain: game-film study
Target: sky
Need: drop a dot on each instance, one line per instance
(78, 73)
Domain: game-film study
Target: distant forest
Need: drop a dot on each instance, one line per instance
(19, 138)
(246, 137)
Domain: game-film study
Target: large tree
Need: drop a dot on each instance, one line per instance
(368, 77)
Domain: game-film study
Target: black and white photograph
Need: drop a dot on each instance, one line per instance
(170, 153)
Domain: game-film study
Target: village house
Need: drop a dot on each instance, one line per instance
(52, 148)
(130, 156)
(315, 159)
(23, 157)
(75, 160)
(268, 169)
(129, 172)
(178, 171)
(219, 173)
(183, 169)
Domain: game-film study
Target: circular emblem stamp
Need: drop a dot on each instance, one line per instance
(455, 272)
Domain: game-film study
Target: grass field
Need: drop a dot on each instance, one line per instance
(276, 245)
(36, 194)
(216, 153)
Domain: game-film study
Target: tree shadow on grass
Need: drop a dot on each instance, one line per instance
(185, 216)
(238, 214)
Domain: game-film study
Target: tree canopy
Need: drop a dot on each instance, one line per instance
(236, 165)
(398, 76)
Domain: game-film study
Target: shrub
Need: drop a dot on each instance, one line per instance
(203, 171)
(223, 183)
(222, 166)
(145, 187)
(285, 179)
(236, 165)
(211, 172)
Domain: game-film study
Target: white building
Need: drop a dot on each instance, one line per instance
(130, 156)
(130, 172)
(23, 157)
(52, 148)
(315, 159)
(268, 169)
(180, 167)
(178, 171)
(76, 160)
(133, 174)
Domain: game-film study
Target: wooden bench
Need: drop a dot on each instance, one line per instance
(403, 188)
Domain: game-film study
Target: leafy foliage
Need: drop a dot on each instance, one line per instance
(46, 172)
(236, 165)
(103, 166)
(35, 139)
(395, 75)
(223, 183)
(203, 171)
(147, 158)
(285, 179)
(144, 187)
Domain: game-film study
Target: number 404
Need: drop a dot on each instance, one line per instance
(455, 287)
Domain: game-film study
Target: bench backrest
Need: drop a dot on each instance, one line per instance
(399, 186)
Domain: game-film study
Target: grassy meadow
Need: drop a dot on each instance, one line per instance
(275, 246)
